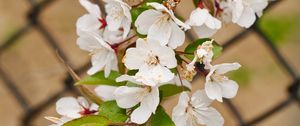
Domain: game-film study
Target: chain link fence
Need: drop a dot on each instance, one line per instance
(34, 23)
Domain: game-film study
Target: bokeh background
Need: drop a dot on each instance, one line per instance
(31, 64)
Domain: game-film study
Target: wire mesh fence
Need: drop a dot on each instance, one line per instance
(33, 23)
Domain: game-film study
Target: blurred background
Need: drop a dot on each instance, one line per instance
(32, 78)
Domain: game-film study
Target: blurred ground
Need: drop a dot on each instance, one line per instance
(38, 73)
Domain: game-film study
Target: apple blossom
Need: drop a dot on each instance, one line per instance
(105, 92)
(152, 60)
(196, 110)
(118, 16)
(71, 108)
(217, 85)
(161, 25)
(103, 56)
(128, 97)
(243, 12)
(204, 24)
(91, 21)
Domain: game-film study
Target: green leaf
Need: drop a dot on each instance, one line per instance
(191, 48)
(160, 118)
(113, 112)
(171, 89)
(92, 120)
(99, 79)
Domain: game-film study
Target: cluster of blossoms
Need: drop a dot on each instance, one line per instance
(136, 63)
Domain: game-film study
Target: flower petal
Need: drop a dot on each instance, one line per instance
(177, 36)
(87, 22)
(229, 89)
(213, 91)
(200, 99)
(145, 20)
(106, 93)
(226, 67)
(160, 31)
(204, 31)
(68, 106)
(247, 18)
(141, 114)
(91, 8)
(127, 97)
(209, 117)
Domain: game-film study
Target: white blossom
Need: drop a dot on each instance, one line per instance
(71, 108)
(181, 82)
(92, 21)
(118, 16)
(161, 25)
(152, 60)
(204, 24)
(217, 85)
(196, 110)
(102, 55)
(128, 97)
(243, 12)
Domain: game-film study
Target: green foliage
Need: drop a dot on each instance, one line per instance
(112, 111)
(99, 79)
(241, 76)
(92, 120)
(191, 48)
(278, 28)
(171, 89)
(160, 118)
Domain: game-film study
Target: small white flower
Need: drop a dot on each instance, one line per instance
(73, 108)
(204, 24)
(243, 12)
(118, 16)
(161, 25)
(217, 85)
(152, 60)
(128, 97)
(103, 56)
(92, 21)
(197, 110)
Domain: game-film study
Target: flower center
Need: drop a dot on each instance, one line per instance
(218, 77)
(146, 90)
(152, 59)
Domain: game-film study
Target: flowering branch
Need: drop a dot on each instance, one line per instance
(135, 63)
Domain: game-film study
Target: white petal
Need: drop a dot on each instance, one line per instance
(165, 55)
(198, 17)
(135, 58)
(145, 20)
(106, 93)
(68, 106)
(213, 23)
(209, 117)
(200, 99)
(213, 91)
(112, 37)
(141, 114)
(229, 88)
(226, 67)
(83, 102)
(88, 22)
(160, 31)
(127, 97)
(152, 99)
(177, 36)
(158, 6)
(88, 43)
(247, 18)
(179, 111)
(155, 75)
(127, 78)
(91, 8)
(204, 31)
(237, 10)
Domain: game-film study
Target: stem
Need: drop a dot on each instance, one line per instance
(180, 52)
(83, 89)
